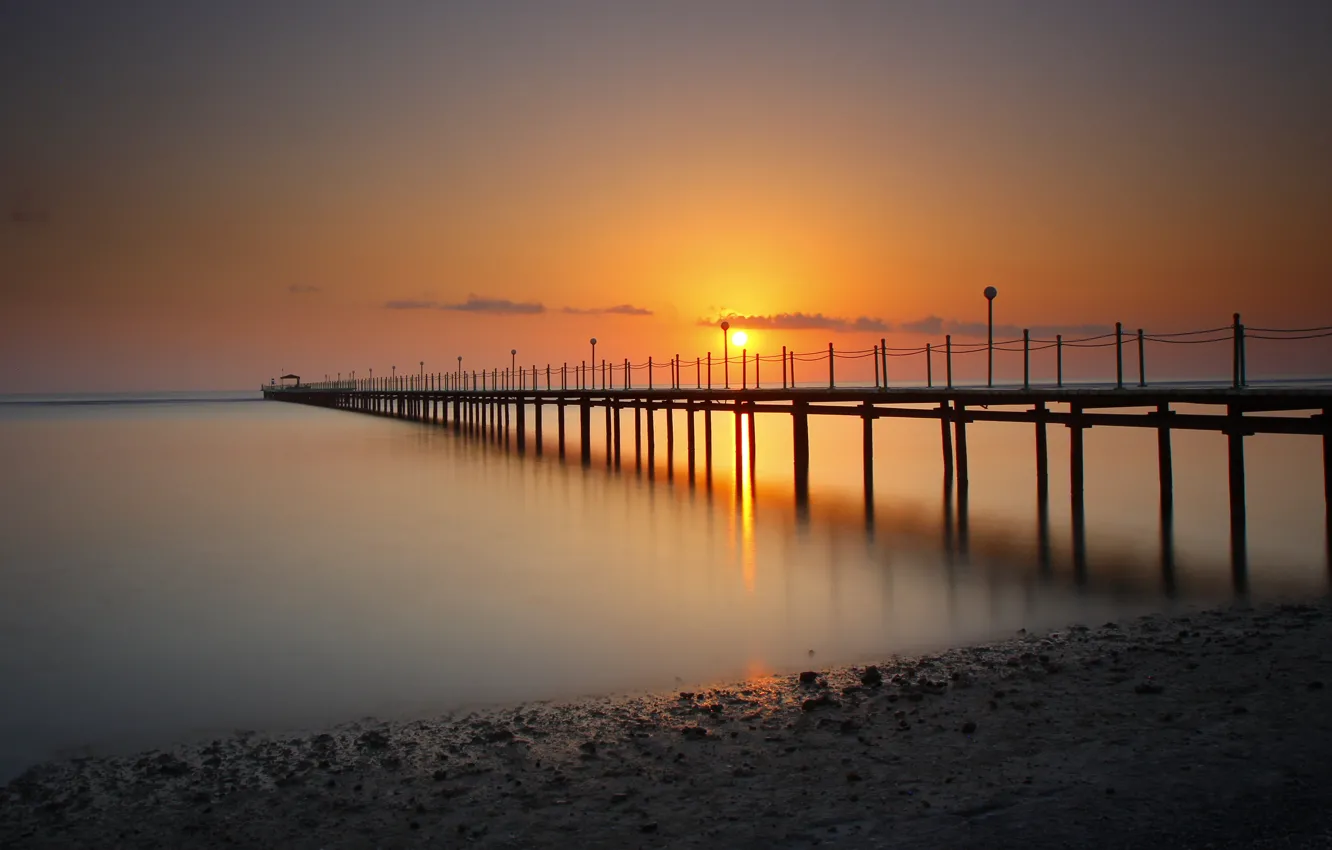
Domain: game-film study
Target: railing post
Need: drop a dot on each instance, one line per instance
(1059, 360)
(744, 368)
(698, 374)
(1236, 336)
(757, 360)
(649, 371)
(831, 358)
(783, 367)
(1026, 359)
(793, 380)
(709, 370)
(948, 358)
(628, 372)
(1119, 355)
(1142, 362)
(883, 354)
(929, 365)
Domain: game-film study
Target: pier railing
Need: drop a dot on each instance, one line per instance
(1043, 363)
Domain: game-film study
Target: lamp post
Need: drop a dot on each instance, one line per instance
(593, 340)
(513, 366)
(726, 356)
(990, 293)
(460, 386)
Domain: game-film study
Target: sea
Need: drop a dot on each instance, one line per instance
(182, 566)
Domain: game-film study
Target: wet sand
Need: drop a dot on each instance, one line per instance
(1212, 729)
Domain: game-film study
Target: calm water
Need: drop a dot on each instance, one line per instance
(186, 568)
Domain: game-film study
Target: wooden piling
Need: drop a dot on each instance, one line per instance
(651, 417)
(707, 442)
(670, 443)
(867, 448)
(1076, 491)
(946, 427)
(585, 430)
(559, 412)
(1327, 482)
(960, 429)
(800, 443)
(608, 424)
(739, 447)
(1042, 462)
(1239, 545)
(753, 449)
(616, 423)
(1164, 464)
(536, 415)
(521, 415)
(638, 436)
(689, 438)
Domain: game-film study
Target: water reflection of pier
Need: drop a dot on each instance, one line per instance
(501, 416)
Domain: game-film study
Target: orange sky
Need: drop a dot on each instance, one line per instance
(202, 200)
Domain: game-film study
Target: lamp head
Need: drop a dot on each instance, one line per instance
(726, 326)
(990, 293)
(513, 351)
(594, 340)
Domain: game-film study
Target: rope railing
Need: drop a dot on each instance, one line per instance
(746, 370)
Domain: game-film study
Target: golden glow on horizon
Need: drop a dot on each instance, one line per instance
(739, 338)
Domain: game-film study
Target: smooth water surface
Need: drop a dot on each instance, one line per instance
(186, 568)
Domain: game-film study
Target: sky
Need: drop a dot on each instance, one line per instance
(203, 195)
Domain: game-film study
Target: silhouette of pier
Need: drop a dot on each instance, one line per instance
(497, 405)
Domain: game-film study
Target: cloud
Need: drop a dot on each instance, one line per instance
(411, 305)
(303, 289)
(473, 304)
(928, 326)
(619, 310)
(801, 322)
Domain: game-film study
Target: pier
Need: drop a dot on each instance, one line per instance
(497, 405)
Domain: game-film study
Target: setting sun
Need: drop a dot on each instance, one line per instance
(739, 338)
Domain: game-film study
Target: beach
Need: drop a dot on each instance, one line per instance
(1211, 729)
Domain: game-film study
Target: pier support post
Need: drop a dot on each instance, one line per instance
(1042, 490)
(1239, 545)
(739, 446)
(1076, 492)
(753, 448)
(670, 441)
(946, 427)
(1042, 456)
(559, 412)
(609, 427)
(585, 430)
(689, 438)
(536, 415)
(638, 436)
(960, 428)
(1164, 463)
(707, 442)
(520, 411)
(800, 443)
(616, 433)
(1327, 481)
(651, 439)
(867, 449)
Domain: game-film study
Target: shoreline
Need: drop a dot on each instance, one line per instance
(1208, 728)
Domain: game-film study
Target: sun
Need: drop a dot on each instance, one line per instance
(739, 338)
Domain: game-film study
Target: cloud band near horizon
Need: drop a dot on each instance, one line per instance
(504, 306)
(930, 325)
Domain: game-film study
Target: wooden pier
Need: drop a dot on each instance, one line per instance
(495, 404)
(501, 416)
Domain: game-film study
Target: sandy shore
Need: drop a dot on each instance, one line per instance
(1208, 730)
